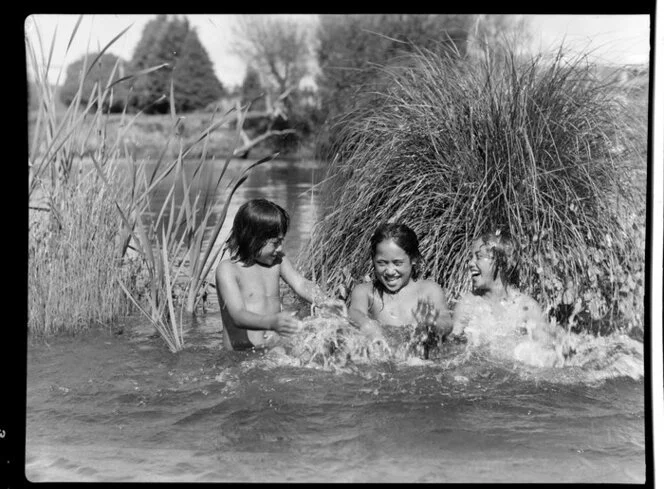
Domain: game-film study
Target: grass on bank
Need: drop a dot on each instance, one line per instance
(542, 148)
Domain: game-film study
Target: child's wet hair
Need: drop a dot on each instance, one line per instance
(502, 249)
(256, 221)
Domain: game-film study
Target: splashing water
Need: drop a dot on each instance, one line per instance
(331, 404)
(330, 342)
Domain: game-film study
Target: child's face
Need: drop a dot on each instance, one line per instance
(392, 266)
(271, 252)
(481, 265)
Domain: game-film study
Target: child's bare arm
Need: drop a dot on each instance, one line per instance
(358, 311)
(307, 289)
(460, 316)
(230, 297)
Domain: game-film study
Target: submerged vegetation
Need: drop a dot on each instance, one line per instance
(544, 149)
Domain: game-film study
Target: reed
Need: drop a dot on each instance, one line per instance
(73, 251)
(542, 148)
(98, 235)
(73, 262)
(176, 244)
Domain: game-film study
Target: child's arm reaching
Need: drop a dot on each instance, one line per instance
(460, 316)
(358, 312)
(307, 289)
(230, 297)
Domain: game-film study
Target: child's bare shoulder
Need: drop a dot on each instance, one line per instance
(364, 289)
(427, 284)
(430, 287)
(227, 267)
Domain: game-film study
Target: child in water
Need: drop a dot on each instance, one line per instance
(396, 297)
(495, 307)
(248, 282)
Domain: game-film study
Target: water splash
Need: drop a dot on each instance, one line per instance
(330, 342)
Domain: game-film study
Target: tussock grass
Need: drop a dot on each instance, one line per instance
(73, 262)
(74, 246)
(541, 148)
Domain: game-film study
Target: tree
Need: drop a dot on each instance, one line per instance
(252, 88)
(152, 33)
(102, 73)
(277, 46)
(353, 47)
(251, 92)
(195, 84)
(278, 50)
(510, 33)
(145, 56)
(189, 67)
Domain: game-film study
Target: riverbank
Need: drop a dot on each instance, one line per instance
(150, 135)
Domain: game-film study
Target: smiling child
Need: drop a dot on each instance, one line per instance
(397, 296)
(248, 282)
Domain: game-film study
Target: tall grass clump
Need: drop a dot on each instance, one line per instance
(541, 148)
(73, 246)
(97, 243)
(73, 261)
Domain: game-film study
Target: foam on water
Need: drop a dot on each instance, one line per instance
(332, 343)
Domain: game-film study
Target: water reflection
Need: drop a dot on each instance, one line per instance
(289, 184)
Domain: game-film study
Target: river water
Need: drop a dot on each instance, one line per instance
(112, 407)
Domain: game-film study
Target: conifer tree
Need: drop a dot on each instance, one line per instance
(100, 73)
(174, 42)
(145, 56)
(194, 81)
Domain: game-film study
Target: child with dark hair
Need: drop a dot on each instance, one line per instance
(397, 296)
(495, 305)
(248, 282)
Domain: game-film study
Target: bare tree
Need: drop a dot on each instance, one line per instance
(498, 30)
(279, 46)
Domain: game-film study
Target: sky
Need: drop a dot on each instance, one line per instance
(614, 39)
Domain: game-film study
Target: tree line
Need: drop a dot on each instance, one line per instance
(170, 42)
(344, 54)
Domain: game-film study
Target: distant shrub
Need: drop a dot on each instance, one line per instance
(540, 148)
(102, 70)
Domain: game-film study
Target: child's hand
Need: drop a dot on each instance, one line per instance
(287, 324)
(426, 313)
(335, 306)
(372, 329)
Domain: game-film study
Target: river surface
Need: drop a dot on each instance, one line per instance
(113, 407)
